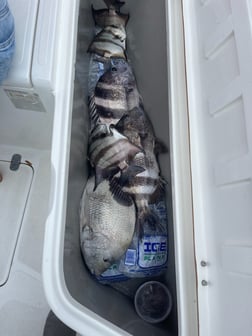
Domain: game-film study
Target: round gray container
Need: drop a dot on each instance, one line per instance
(153, 301)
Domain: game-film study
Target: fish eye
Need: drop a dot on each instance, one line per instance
(114, 69)
(105, 259)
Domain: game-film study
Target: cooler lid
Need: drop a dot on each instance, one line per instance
(218, 45)
(14, 192)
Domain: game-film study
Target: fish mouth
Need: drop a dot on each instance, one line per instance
(97, 268)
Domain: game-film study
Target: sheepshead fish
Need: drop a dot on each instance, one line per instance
(109, 102)
(145, 186)
(109, 42)
(138, 128)
(109, 151)
(106, 227)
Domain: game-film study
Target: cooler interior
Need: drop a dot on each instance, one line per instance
(147, 50)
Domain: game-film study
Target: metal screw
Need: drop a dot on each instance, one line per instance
(204, 283)
(203, 263)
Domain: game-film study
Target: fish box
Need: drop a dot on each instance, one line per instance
(91, 308)
(191, 65)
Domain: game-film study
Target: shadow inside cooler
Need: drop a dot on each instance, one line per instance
(147, 51)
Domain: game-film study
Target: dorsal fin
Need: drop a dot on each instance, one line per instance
(94, 116)
(114, 4)
(160, 147)
(120, 124)
(159, 192)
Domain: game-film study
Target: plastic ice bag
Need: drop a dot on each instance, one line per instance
(148, 256)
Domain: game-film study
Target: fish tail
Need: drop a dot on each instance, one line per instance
(146, 218)
(114, 4)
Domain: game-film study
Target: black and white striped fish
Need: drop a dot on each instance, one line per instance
(146, 186)
(109, 42)
(109, 102)
(109, 151)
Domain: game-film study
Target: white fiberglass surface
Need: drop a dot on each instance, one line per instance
(24, 206)
(149, 61)
(14, 191)
(219, 52)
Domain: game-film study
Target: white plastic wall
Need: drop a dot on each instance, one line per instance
(218, 41)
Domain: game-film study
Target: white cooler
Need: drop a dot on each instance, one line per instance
(193, 64)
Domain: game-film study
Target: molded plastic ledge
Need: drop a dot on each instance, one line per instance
(181, 175)
(36, 24)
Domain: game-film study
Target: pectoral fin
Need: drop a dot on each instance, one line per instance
(119, 195)
(128, 175)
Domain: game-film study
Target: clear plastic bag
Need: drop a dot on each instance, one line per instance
(148, 256)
